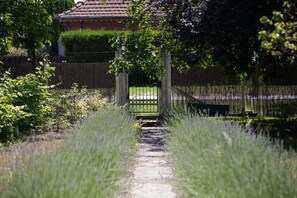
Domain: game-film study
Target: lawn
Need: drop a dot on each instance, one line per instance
(143, 100)
(143, 91)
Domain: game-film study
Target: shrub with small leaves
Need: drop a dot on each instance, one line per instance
(72, 105)
(23, 103)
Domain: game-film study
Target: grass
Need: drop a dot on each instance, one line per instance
(143, 106)
(143, 100)
(215, 158)
(143, 91)
(91, 162)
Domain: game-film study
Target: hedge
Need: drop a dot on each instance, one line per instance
(89, 46)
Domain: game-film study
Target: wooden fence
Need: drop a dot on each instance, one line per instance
(91, 75)
(199, 76)
(211, 86)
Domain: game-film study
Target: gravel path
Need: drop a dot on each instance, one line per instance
(152, 176)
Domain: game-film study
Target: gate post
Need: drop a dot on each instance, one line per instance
(122, 89)
(165, 90)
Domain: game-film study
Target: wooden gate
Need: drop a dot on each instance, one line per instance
(143, 94)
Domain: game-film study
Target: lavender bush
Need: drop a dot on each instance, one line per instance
(91, 162)
(215, 158)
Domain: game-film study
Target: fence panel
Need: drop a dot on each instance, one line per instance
(212, 87)
(91, 75)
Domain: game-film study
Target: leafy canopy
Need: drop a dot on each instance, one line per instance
(279, 32)
(29, 23)
(207, 32)
(223, 32)
(54, 7)
(145, 46)
(5, 30)
(33, 29)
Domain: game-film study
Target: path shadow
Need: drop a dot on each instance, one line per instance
(155, 138)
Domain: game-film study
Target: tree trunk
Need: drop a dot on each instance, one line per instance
(33, 61)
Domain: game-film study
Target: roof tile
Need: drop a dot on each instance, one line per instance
(97, 9)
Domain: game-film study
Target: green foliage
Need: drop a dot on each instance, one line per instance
(213, 32)
(13, 51)
(32, 26)
(55, 7)
(23, 103)
(5, 31)
(29, 24)
(279, 33)
(138, 48)
(89, 46)
(213, 158)
(5, 22)
(58, 6)
(75, 104)
(92, 161)
(145, 47)
(27, 103)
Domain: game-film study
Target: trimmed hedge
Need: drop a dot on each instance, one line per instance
(89, 46)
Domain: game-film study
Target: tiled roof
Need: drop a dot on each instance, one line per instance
(96, 9)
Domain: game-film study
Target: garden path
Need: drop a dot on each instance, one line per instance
(152, 176)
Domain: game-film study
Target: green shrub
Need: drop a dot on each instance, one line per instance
(72, 105)
(92, 161)
(9, 116)
(23, 103)
(213, 158)
(89, 46)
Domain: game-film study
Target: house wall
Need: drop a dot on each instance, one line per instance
(95, 25)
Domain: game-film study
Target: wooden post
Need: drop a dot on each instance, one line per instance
(122, 87)
(165, 90)
(45, 64)
(242, 97)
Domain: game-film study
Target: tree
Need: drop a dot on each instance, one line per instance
(144, 46)
(138, 48)
(5, 30)
(227, 30)
(32, 26)
(54, 7)
(279, 32)
(29, 24)
(58, 6)
(207, 32)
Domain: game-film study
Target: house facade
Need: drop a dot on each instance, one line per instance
(96, 15)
